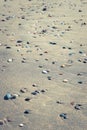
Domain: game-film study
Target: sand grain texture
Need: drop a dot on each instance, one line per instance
(39, 36)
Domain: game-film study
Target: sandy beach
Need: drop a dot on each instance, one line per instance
(43, 65)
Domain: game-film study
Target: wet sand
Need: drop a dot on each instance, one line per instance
(43, 65)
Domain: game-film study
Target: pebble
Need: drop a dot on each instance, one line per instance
(7, 96)
(8, 47)
(43, 91)
(35, 92)
(53, 43)
(21, 125)
(24, 90)
(35, 85)
(63, 115)
(19, 41)
(78, 106)
(9, 60)
(65, 80)
(59, 102)
(27, 112)
(44, 71)
(1, 122)
(49, 77)
(27, 99)
(62, 66)
(44, 9)
(80, 82)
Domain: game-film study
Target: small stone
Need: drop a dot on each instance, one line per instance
(63, 115)
(84, 62)
(9, 60)
(7, 96)
(80, 10)
(80, 82)
(1, 122)
(78, 106)
(49, 77)
(53, 62)
(62, 66)
(27, 112)
(65, 80)
(44, 9)
(40, 66)
(59, 102)
(34, 85)
(64, 47)
(44, 71)
(43, 91)
(19, 41)
(34, 93)
(21, 125)
(24, 90)
(23, 61)
(27, 99)
(18, 50)
(8, 47)
(53, 43)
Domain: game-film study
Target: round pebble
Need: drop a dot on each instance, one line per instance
(65, 80)
(21, 125)
(9, 60)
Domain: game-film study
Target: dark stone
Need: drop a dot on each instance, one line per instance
(80, 82)
(63, 115)
(43, 91)
(53, 43)
(8, 47)
(27, 112)
(78, 106)
(64, 47)
(49, 77)
(35, 92)
(27, 99)
(44, 9)
(19, 41)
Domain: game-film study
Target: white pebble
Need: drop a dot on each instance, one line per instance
(65, 80)
(44, 71)
(21, 125)
(9, 60)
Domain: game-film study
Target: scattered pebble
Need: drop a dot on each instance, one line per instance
(53, 43)
(44, 71)
(27, 99)
(7, 96)
(62, 66)
(65, 80)
(43, 91)
(27, 112)
(59, 102)
(49, 77)
(1, 122)
(78, 106)
(80, 82)
(24, 90)
(63, 115)
(21, 125)
(8, 47)
(9, 60)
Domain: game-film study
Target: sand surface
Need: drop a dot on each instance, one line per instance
(43, 57)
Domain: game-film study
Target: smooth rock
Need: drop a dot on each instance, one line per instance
(7, 96)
